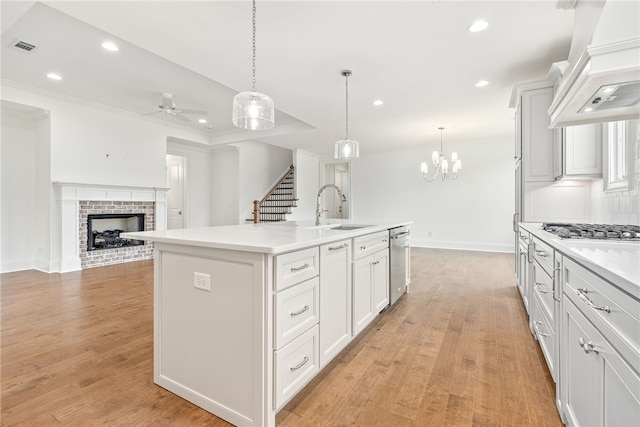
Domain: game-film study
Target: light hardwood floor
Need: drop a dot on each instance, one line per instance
(76, 350)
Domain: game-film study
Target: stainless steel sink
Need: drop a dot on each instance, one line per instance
(349, 227)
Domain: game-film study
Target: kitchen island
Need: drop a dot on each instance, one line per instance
(245, 316)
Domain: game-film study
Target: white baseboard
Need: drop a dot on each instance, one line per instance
(464, 246)
(16, 265)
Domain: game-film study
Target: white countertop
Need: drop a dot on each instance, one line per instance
(271, 238)
(616, 261)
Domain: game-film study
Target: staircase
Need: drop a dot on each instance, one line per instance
(278, 201)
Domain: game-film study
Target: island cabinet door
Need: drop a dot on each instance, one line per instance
(335, 299)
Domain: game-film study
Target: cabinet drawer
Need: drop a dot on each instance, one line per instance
(295, 364)
(543, 288)
(370, 243)
(546, 335)
(614, 312)
(296, 311)
(296, 267)
(543, 253)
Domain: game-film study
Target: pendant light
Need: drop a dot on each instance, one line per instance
(347, 148)
(441, 164)
(253, 110)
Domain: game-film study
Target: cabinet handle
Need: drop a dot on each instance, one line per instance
(362, 248)
(582, 293)
(299, 312)
(336, 248)
(538, 284)
(541, 253)
(588, 347)
(302, 267)
(536, 326)
(384, 240)
(300, 365)
(553, 283)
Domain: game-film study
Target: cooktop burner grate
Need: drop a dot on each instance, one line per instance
(594, 231)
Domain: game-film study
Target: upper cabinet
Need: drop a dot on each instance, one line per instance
(537, 137)
(578, 152)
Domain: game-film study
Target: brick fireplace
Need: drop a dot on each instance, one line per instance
(114, 255)
(74, 202)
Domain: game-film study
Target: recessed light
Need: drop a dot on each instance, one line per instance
(608, 89)
(54, 76)
(481, 83)
(588, 109)
(378, 102)
(203, 121)
(478, 26)
(110, 46)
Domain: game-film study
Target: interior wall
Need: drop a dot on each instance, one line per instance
(92, 144)
(307, 173)
(19, 207)
(44, 196)
(473, 212)
(225, 175)
(260, 166)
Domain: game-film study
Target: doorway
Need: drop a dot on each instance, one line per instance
(338, 174)
(176, 166)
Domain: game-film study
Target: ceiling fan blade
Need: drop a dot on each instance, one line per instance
(190, 111)
(181, 117)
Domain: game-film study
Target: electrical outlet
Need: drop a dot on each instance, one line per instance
(202, 281)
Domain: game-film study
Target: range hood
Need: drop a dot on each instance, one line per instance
(603, 86)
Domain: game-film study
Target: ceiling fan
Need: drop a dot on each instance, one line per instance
(169, 107)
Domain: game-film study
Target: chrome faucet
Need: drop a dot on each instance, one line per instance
(319, 210)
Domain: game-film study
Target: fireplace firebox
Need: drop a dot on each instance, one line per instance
(103, 230)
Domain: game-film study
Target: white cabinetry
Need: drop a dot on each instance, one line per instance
(600, 353)
(578, 152)
(545, 301)
(537, 138)
(522, 267)
(370, 278)
(296, 333)
(335, 299)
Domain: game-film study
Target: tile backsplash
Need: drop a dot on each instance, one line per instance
(619, 207)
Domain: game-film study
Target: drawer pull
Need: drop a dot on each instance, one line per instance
(588, 347)
(300, 365)
(582, 293)
(362, 248)
(384, 240)
(302, 267)
(299, 312)
(542, 291)
(337, 248)
(541, 253)
(536, 326)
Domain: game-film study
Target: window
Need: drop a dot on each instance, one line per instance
(616, 138)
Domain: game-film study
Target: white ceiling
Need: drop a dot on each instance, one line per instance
(415, 55)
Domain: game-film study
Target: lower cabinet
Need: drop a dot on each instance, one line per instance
(370, 288)
(600, 360)
(335, 299)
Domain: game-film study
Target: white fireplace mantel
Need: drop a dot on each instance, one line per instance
(67, 208)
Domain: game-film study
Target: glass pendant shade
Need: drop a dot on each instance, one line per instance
(347, 149)
(253, 111)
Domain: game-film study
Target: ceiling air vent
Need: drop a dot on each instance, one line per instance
(24, 46)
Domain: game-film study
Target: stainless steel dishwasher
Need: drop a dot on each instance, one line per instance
(399, 262)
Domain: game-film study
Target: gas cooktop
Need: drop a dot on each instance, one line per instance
(594, 231)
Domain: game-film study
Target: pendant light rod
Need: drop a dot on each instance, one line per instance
(346, 148)
(253, 110)
(346, 74)
(253, 46)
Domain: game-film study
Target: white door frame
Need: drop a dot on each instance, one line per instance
(185, 186)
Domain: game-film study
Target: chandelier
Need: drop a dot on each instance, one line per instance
(441, 164)
(346, 148)
(253, 110)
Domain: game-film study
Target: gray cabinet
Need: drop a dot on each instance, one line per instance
(600, 381)
(578, 152)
